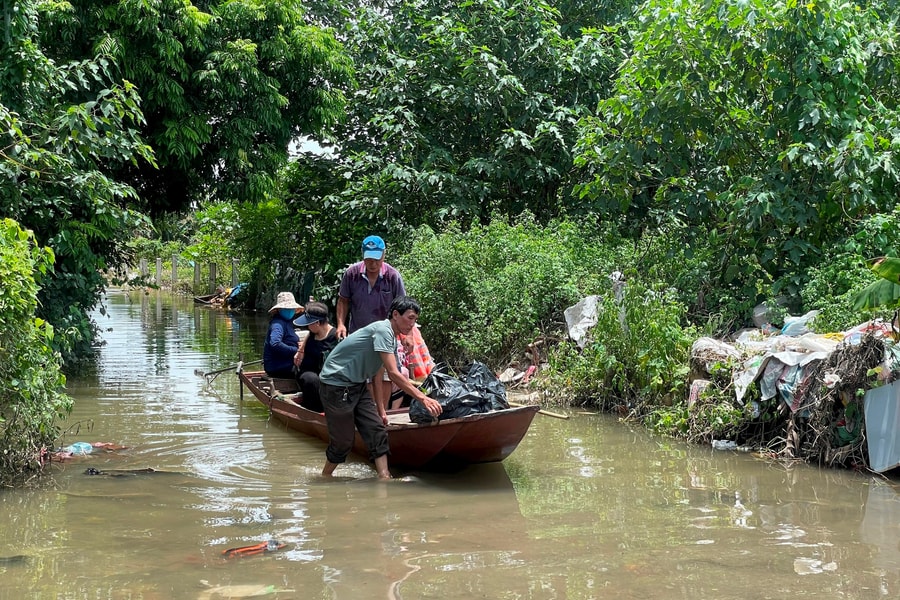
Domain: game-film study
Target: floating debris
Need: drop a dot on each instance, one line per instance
(254, 549)
(239, 591)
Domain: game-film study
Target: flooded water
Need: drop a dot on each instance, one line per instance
(585, 508)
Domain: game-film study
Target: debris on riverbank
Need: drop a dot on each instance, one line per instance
(807, 396)
(786, 392)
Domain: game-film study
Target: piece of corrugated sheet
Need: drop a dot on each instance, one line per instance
(882, 411)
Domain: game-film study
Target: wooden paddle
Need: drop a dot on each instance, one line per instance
(542, 411)
(233, 367)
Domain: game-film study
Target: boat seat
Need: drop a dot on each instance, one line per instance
(276, 385)
(399, 418)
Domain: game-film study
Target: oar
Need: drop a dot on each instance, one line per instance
(541, 411)
(234, 367)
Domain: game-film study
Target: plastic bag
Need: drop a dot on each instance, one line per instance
(79, 448)
(794, 326)
(581, 318)
(478, 392)
(481, 378)
(455, 398)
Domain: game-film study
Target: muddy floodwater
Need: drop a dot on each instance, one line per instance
(587, 507)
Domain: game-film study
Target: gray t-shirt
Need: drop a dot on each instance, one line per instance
(358, 357)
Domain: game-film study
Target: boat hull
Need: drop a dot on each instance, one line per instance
(452, 443)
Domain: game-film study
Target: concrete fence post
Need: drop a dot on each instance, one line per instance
(212, 277)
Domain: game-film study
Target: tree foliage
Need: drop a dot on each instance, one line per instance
(61, 126)
(763, 126)
(226, 87)
(226, 92)
(464, 109)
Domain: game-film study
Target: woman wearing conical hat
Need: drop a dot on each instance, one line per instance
(282, 342)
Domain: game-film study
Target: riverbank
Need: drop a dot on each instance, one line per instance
(831, 400)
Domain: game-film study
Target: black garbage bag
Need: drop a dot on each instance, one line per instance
(460, 398)
(483, 379)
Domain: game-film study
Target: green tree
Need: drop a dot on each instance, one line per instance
(464, 108)
(61, 126)
(764, 128)
(31, 384)
(576, 16)
(226, 86)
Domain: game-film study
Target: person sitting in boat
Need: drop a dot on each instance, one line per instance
(282, 341)
(313, 349)
(348, 400)
(415, 362)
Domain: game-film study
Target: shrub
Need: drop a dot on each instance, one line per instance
(831, 289)
(32, 397)
(488, 292)
(637, 353)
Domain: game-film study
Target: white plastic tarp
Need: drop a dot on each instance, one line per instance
(580, 318)
(778, 369)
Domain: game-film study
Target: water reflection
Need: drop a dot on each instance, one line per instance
(880, 527)
(585, 508)
(418, 537)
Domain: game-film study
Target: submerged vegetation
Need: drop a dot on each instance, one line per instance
(517, 155)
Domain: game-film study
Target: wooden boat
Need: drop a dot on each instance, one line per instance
(221, 297)
(209, 298)
(448, 444)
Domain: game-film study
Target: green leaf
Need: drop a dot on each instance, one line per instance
(886, 267)
(879, 293)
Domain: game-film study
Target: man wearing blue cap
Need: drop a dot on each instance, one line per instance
(367, 289)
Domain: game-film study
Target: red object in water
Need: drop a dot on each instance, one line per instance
(253, 549)
(109, 446)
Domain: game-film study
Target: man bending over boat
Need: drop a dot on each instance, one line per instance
(347, 399)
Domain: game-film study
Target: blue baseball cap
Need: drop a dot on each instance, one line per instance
(373, 247)
(307, 319)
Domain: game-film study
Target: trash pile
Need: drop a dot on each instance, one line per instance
(823, 398)
(477, 390)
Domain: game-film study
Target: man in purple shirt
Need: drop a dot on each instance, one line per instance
(367, 289)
